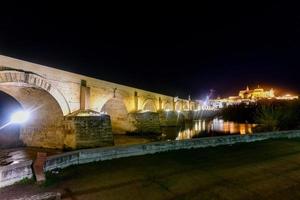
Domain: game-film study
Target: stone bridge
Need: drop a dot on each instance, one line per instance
(54, 94)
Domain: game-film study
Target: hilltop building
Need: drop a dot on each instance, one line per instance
(249, 96)
(258, 93)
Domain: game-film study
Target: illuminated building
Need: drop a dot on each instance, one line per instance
(248, 96)
(258, 93)
(287, 97)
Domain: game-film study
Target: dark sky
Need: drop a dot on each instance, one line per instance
(175, 51)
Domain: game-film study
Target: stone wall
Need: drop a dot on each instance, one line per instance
(151, 122)
(145, 122)
(171, 118)
(108, 153)
(14, 173)
(88, 131)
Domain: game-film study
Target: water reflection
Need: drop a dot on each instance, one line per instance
(202, 128)
(220, 125)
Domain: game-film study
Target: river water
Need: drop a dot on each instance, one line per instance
(206, 128)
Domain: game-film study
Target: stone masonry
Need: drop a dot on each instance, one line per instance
(53, 94)
(88, 131)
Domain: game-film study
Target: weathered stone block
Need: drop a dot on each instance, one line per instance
(88, 131)
(13, 173)
(171, 118)
(38, 167)
(146, 122)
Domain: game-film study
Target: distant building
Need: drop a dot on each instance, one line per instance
(248, 96)
(287, 97)
(258, 93)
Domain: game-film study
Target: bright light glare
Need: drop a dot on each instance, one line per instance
(19, 117)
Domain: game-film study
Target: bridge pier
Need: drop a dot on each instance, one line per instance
(145, 122)
(86, 129)
(84, 96)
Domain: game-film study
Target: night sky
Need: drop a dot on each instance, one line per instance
(175, 51)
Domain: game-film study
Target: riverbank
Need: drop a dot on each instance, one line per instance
(16, 155)
(260, 170)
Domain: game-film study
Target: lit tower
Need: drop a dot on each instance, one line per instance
(272, 93)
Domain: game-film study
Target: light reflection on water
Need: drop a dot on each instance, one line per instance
(201, 128)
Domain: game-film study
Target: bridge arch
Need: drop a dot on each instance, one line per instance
(118, 112)
(185, 106)
(167, 106)
(34, 93)
(18, 78)
(178, 106)
(149, 105)
(192, 106)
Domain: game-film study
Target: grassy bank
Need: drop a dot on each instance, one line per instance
(260, 170)
(269, 115)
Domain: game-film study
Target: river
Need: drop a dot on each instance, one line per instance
(206, 128)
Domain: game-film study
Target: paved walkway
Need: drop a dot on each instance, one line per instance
(261, 170)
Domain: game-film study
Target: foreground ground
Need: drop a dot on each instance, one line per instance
(261, 170)
(18, 154)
